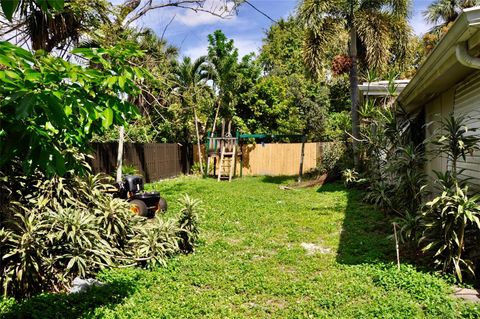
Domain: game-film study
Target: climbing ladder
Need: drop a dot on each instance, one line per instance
(226, 165)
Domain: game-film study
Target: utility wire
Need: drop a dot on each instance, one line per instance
(260, 11)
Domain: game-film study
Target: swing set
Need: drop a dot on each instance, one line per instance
(226, 150)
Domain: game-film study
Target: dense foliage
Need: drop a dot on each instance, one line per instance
(50, 108)
(59, 228)
(439, 220)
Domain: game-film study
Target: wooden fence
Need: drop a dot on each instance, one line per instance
(153, 160)
(156, 161)
(275, 159)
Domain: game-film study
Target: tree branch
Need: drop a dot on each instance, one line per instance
(223, 11)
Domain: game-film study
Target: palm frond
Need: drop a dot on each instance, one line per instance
(441, 11)
(373, 29)
(316, 42)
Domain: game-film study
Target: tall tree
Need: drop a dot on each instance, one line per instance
(223, 58)
(442, 12)
(191, 80)
(371, 27)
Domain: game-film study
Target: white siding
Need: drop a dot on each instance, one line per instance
(436, 109)
(467, 102)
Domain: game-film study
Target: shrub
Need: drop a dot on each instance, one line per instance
(188, 223)
(332, 158)
(447, 219)
(56, 229)
(154, 242)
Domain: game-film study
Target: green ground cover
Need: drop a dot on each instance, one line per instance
(251, 263)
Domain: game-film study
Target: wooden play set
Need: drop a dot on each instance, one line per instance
(225, 150)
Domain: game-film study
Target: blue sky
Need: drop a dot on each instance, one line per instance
(188, 30)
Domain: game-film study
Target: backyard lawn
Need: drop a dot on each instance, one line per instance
(266, 252)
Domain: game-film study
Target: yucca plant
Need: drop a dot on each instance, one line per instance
(188, 223)
(446, 219)
(455, 138)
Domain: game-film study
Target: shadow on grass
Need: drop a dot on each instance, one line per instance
(365, 231)
(50, 305)
(278, 179)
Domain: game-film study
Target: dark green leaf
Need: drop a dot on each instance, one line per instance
(9, 7)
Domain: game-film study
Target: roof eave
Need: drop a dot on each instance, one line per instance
(443, 54)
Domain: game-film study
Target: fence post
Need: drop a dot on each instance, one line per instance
(120, 153)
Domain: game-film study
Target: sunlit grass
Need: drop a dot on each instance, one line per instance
(250, 262)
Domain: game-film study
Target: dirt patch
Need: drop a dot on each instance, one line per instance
(315, 182)
(313, 249)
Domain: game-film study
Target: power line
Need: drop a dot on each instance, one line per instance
(260, 11)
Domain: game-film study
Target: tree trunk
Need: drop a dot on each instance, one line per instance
(354, 94)
(200, 160)
(215, 119)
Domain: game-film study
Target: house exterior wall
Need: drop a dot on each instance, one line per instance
(467, 102)
(462, 99)
(436, 109)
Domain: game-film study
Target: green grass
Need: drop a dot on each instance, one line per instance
(250, 263)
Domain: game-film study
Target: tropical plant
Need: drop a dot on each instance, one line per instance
(371, 28)
(62, 227)
(50, 25)
(42, 126)
(190, 81)
(455, 137)
(188, 223)
(443, 12)
(223, 58)
(447, 218)
(154, 242)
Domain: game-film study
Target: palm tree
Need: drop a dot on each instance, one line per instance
(191, 80)
(442, 12)
(374, 28)
(222, 66)
(50, 27)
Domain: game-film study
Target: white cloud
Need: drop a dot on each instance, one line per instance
(221, 8)
(196, 52)
(246, 46)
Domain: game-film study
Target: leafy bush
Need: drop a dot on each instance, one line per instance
(63, 227)
(154, 242)
(447, 219)
(42, 117)
(188, 223)
(332, 158)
